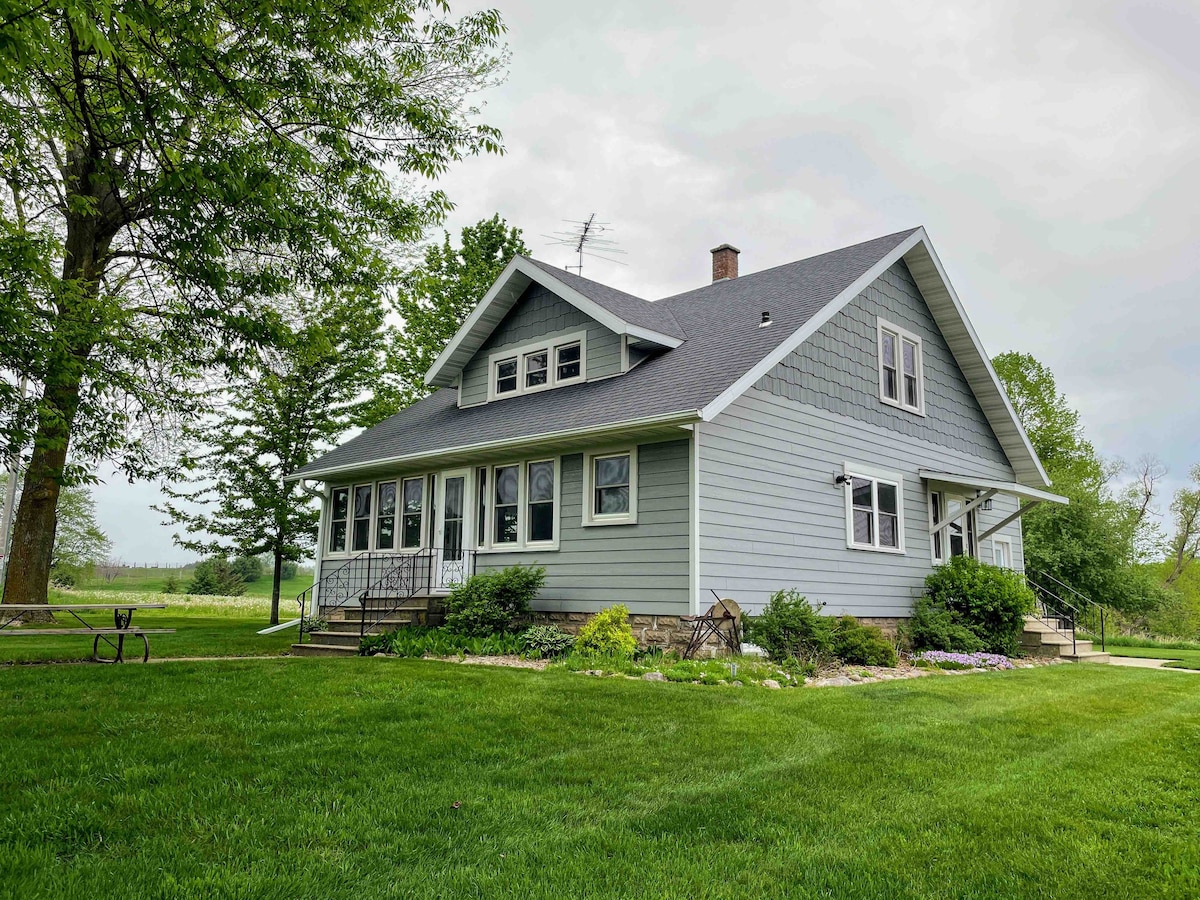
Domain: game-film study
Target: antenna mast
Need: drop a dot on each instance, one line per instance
(585, 239)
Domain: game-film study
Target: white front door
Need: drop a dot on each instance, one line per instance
(452, 537)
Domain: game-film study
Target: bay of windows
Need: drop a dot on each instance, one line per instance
(369, 516)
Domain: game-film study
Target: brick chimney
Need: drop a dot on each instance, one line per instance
(725, 260)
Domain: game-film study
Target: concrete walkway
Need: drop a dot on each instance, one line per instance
(1141, 662)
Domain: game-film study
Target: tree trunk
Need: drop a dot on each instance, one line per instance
(275, 584)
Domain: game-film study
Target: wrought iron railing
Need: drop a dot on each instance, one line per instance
(1067, 617)
(378, 584)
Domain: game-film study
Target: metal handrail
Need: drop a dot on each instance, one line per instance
(338, 576)
(402, 583)
(1091, 615)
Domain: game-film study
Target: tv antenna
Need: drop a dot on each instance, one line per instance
(586, 238)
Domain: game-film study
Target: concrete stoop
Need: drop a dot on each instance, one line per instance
(1041, 639)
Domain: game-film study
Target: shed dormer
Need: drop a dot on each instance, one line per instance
(539, 328)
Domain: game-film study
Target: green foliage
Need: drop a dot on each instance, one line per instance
(863, 645)
(933, 627)
(416, 642)
(171, 585)
(546, 641)
(491, 602)
(248, 568)
(990, 601)
(790, 626)
(608, 633)
(63, 577)
(216, 577)
(436, 296)
(78, 541)
(289, 569)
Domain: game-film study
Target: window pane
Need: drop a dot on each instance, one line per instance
(337, 537)
(413, 493)
(612, 501)
(506, 525)
(541, 481)
(910, 391)
(506, 376)
(412, 531)
(541, 521)
(935, 501)
(385, 533)
(887, 498)
(910, 358)
(612, 470)
(535, 369)
(889, 349)
(889, 530)
(481, 502)
(861, 493)
(863, 533)
(506, 484)
(362, 501)
(454, 498)
(568, 362)
(341, 503)
(387, 499)
(362, 533)
(890, 390)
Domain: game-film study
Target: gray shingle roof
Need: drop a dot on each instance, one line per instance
(722, 340)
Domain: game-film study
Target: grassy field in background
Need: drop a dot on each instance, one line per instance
(205, 626)
(1183, 659)
(363, 778)
(155, 580)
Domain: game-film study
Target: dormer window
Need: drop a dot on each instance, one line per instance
(548, 363)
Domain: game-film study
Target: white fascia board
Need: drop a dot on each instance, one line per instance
(808, 329)
(988, 484)
(520, 265)
(983, 358)
(676, 418)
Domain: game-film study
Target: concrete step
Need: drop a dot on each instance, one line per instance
(1089, 657)
(406, 615)
(323, 650)
(337, 638)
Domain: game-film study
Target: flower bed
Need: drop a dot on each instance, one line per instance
(940, 659)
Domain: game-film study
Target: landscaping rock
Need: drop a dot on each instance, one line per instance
(654, 676)
(772, 684)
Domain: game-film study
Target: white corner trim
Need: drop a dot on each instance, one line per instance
(694, 524)
(809, 328)
(590, 518)
(876, 475)
(522, 266)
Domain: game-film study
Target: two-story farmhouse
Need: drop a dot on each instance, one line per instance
(831, 425)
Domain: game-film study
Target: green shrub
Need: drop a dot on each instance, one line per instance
(862, 645)
(416, 642)
(288, 570)
(790, 626)
(608, 633)
(491, 602)
(248, 568)
(933, 627)
(171, 585)
(63, 577)
(215, 577)
(546, 641)
(990, 601)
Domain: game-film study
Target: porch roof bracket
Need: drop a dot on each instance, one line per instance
(1008, 520)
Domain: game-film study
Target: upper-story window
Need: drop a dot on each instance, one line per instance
(549, 363)
(901, 368)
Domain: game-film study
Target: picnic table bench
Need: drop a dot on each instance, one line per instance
(11, 613)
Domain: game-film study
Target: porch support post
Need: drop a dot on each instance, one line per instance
(1021, 510)
(319, 555)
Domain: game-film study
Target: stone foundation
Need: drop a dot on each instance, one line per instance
(666, 632)
(890, 625)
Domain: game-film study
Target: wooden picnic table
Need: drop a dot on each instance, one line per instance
(11, 613)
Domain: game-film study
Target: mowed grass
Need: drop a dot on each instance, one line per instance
(1183, 659)
(364, 778)
(148, 580)
(203, 626)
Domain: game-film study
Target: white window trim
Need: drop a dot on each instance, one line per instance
(425, 504)
(520, 352)
(1007, 542)
(372, 541)
(590, 519)
(522, 545)
(875, 475)
(902, 335)
(934, 558)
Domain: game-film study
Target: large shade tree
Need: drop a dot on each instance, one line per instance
(172, 167)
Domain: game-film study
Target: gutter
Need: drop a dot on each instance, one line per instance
(677, 418)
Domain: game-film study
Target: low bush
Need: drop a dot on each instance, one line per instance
(790, 626)
(608, 633)
(862, 645)
(248, 568)
(416, 642)
(63, 577)
(933, 627)
(990, 601)
(546, 641)
(215, 577)
(171, 585)
(492, 602)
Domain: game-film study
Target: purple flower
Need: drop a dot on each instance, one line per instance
(970, 660)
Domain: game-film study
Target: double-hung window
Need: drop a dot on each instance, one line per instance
(361, 533)
(901, 368)
(518, 505)
(610, 488)
(506, 505)
(385, 516)
(537, 366)
(539, 491)
(412, 512)
(339, 513)
(874, 511)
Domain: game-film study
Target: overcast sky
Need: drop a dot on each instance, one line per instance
(1051, 149)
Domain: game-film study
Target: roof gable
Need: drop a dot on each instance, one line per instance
(621, 313)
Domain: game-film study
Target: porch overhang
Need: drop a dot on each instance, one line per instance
(974, 482)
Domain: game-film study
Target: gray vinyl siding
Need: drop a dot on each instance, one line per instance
(645, 566)
(541, 314)
(771, 516)
(837, 370)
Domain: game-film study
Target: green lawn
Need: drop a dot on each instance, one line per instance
(365, 778)
(1184, 659)
(154, 580)
(203, 627)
